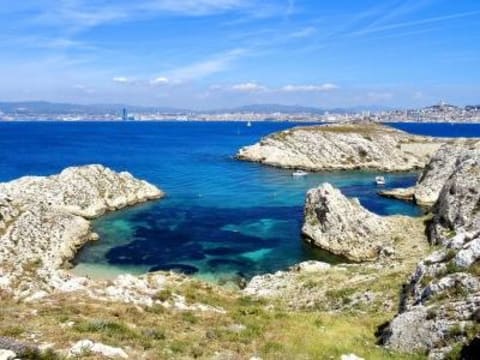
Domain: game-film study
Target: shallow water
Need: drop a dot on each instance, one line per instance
(221, 219)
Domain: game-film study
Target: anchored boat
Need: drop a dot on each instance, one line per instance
(299, 173)
(380, 180)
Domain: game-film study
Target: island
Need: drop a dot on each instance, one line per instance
(349, 146)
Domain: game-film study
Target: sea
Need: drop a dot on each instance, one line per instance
(222, 219)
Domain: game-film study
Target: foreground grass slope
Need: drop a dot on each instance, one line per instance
(322, 316)
(250, 327)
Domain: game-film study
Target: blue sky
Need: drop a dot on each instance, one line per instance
(219, 53)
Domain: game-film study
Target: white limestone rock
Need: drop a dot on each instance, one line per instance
(311, 266)
(44, 220)
(7, 355)
(343, 147)
(350, 357)
(441, 166)
(444, 292)
(458, 207)
(342, 226)
(87, 347)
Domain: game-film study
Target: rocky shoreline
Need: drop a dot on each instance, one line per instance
(340, 225)
(45, 220)
(440, 304)
(350, 146)
(441, 166)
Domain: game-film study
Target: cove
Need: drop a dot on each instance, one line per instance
(222, 219)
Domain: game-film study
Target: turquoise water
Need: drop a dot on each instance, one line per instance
(222, 219)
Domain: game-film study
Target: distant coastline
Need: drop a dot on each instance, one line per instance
(42, 111)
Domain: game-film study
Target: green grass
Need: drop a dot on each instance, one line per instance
(270, 329)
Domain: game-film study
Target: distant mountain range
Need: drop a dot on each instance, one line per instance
(44, 107)
(295, 109)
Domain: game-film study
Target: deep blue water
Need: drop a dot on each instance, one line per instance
(222, 218)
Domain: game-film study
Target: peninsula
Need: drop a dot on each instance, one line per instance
(350, 146)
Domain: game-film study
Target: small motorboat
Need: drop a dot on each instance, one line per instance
(380, 180)
(299, 173)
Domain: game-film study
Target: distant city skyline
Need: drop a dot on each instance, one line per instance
(205, 54)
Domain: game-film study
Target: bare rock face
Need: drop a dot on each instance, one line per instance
(458, 207)
(441, 302)
(343, 227)
(43, 220)
(343, 147)
(87, 191)
(442, 165)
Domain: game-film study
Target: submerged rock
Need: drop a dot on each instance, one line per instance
(343, 147)
(343, 227)
(179, 268)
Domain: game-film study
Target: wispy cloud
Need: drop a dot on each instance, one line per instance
(196, 7)
(399, 9)
(204, 68)
(160, 81)
(122, 80)
(253, 87)
(406, 24)
(248, 87)
(309, 88)
(304, 33)
(76, 15)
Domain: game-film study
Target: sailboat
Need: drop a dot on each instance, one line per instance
(249, 124)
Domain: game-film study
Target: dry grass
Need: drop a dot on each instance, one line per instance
(365, 129)
(270, 332)
(266, 328)
(270, 329)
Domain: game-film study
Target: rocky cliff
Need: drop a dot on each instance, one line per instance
(43, 220)
(342, 226)
(343, 147)
(440, 307)
(438, 170)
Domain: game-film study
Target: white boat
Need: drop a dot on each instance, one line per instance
(249, 124)
(380, 180)
(299, 173)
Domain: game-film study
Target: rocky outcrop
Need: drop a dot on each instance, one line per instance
(87, 191)
(438, 170)
(344, 227)
(279, 283)
(44, 220)
(458, 207)
(86, 346)
(441, 302)
(343, 147)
